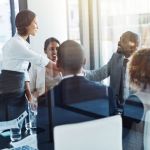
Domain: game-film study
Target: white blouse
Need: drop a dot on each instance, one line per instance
(40, 82)
(17, 54)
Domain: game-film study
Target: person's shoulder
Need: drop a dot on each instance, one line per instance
(96, 84)
(37, 69)
(99, 88)
(17, 40)
(116, 57)
(13, 42)
(8, 43)
(116, 54)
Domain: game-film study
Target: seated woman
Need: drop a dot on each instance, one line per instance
(42, 79)
(139, 73)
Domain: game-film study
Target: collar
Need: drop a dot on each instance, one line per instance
(126, 57)
(72, 75)
(23, 40)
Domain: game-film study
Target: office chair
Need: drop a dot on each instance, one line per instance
(59, 114)
(100, 134)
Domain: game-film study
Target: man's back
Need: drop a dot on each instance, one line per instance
(74, 87)
(78, 89)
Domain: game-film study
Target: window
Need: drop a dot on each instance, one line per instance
(118, 16)
(16, 6)
(73, 20)
(6, 24)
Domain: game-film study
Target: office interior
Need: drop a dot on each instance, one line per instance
(97, 25)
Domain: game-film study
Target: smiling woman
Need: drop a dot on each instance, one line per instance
(27, 26)
(33, 27)
(14, 79)
(42, 79)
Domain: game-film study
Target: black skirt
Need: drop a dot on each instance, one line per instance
(12, 94)
(11, 81)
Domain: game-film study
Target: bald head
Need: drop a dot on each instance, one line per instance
(70, 57)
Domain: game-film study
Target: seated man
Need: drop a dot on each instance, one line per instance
(74, 87)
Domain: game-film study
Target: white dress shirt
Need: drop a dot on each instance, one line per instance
(40, 82)
(72, 75)
(17, 54)
(126, 81)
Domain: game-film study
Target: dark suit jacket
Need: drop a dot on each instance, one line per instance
(72, 91)
(113, 69)
(79, 89)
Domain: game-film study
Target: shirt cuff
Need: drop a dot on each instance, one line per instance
(44, 61)
(27, 78)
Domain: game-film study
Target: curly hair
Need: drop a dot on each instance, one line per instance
(139, 69)
(23, 20)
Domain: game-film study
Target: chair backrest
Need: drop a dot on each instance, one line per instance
(147, 131)
(100, 134)
(59, 113)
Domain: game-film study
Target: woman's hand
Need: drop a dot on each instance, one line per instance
(28, 91)
(52, 67)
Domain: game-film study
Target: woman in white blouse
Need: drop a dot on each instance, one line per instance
(43, 79)
(17, 53)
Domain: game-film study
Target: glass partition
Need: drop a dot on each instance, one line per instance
(5, 22)
(118, 16)
(73, 20)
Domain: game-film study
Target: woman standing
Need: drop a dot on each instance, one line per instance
(43, 79)
(14, 79)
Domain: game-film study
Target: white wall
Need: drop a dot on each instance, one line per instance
(52, 21)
